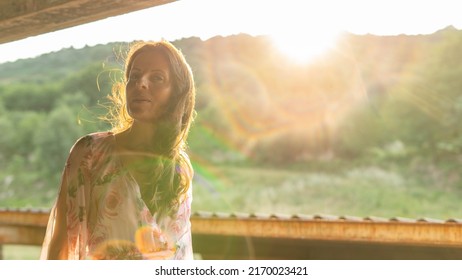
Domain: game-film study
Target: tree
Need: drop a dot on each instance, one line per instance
(54, 138)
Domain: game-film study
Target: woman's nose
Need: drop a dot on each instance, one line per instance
(143, 83)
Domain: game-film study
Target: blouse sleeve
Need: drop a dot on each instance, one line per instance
(182, 224)
(64, 228)
(182, 229)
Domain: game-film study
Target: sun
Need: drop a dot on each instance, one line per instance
(304, 47)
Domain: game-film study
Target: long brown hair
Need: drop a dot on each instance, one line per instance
(171, 169)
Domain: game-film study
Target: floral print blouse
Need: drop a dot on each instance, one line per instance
(106, 216)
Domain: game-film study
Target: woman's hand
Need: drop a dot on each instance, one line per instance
(153, 244)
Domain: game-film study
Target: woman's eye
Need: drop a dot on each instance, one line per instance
(157, 78)
(134, 77)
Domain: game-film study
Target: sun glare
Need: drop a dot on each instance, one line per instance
(306, 47)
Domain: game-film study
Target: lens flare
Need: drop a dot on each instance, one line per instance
(265, 111)
(305, 47)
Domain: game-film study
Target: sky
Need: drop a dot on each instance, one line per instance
(285, 19)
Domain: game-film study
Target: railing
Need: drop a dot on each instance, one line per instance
(249, 236)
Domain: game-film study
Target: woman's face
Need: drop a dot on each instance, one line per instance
(149, 86)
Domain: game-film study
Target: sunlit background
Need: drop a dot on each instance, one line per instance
(287, 20)
(336, 107)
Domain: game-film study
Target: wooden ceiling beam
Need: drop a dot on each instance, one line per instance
(20, 19)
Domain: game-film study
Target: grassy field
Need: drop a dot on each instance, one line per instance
(414, 189)
(367, 190)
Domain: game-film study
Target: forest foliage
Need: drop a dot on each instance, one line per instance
(386, 100)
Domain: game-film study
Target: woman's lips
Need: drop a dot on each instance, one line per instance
(141, 100)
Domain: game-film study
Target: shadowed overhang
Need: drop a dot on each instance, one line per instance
(20, 19)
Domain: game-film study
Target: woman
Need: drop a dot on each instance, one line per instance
(126, 194)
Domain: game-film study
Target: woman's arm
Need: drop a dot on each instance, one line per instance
(57, 249)
(57, 231)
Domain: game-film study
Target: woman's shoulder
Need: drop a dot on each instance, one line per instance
(100, 136)
(89, 141)
(87, 145)
(93, 138)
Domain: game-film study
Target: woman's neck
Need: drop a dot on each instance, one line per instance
(139, 137)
